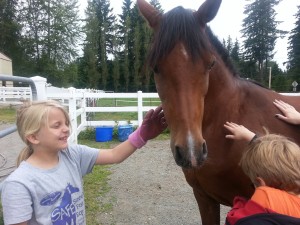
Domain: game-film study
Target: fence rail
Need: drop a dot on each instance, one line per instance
(81, 102)
(15, 95)
(77, 103)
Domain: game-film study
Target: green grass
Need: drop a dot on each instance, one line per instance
(96, 183)
(106, 102)
(8, 115)
(115, 116)
(96, 186)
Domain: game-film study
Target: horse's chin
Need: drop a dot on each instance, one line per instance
(187, 164)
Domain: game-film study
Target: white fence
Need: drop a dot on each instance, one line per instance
(77, 103)
(15, 95)
(81, 102)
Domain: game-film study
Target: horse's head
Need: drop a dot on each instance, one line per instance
(71, 189)
(181, 58)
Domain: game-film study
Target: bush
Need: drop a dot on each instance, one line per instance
(87, 134)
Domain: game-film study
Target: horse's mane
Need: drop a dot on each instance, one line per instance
(221, 51)
(180, 25)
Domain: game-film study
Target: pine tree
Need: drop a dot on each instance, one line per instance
(88, 73)
(137, 49)
(126, 40)
(149, 84)
(294, 49)
(106, 20)
(50, 31)
(116, 64)
(260, 32)
(10, 33)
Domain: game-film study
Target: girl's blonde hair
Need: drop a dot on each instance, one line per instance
(31, 116)
(276, 160)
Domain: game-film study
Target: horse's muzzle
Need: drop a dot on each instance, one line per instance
(190, 157)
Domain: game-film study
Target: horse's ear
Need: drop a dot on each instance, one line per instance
(151, 14)
(207, 11)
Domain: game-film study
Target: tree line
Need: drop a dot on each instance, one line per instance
(109, 52)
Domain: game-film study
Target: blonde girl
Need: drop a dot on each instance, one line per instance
(47, 188)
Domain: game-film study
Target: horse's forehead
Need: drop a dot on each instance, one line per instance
(183, 51)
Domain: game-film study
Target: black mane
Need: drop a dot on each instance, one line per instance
(180, 25)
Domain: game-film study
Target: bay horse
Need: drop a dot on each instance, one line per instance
(200, 90)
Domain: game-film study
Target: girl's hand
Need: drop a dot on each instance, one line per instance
(153, 124)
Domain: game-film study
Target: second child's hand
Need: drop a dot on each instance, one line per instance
(238, 132)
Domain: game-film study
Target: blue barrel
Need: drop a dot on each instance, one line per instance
(124, 131)
(104, 133)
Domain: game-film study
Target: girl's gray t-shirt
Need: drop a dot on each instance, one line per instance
(53, 196)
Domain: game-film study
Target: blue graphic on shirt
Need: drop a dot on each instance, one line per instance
(65, 213)
(50, 199)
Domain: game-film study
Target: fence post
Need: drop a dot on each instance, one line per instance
(73, 115)
(40, 84)
(140, 107)
(83, 106)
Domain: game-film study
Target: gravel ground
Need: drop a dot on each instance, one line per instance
(147, 188)
(10, 146)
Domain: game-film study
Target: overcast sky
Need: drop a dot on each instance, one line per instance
(229, 19)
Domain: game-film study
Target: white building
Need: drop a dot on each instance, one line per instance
(5, 69)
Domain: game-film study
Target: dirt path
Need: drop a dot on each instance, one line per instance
(10, 146)
(149, 188)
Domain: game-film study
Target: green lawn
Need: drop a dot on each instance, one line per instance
(7, 115)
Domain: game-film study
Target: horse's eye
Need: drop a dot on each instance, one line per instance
(211, 65)
(155, 69)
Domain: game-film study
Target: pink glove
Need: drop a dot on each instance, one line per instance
(153, 124)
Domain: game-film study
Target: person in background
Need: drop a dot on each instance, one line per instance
(47, 186)
(272, 162)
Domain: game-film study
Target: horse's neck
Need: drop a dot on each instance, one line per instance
(228, 94)
(67, 194)
(221, 83)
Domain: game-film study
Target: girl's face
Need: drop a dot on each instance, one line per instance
(54, 135)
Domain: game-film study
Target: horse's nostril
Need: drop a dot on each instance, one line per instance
(204, 149)
(178, 152)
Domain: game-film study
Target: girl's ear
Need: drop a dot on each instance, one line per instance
(259, 182)
(32, 139)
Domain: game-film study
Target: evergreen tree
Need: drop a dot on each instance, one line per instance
(235, 52)
(10, 33)
(156, 5)
(294, 49)
(147, 73)
(50, 30)
(106, 20)
(260, 32)
(149, 84)
(126, 41)
(116, 66)
(88, 72)
(138, 49)
(228, 44)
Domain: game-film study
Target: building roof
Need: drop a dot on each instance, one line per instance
(4, 57)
